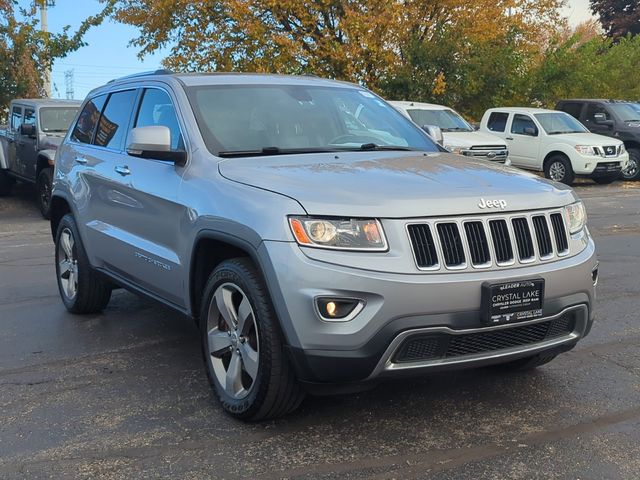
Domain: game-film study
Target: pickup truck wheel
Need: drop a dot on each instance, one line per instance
(45, 180)
(81, 290)
(528, 363)
(559, 169)
(6, 183)
(632, 172)
(242, 345)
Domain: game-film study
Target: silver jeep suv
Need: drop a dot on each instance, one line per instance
(319, 238)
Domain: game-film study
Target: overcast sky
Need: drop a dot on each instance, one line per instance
(108, 54)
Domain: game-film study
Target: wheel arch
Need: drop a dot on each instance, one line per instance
(45, 160)
(635, 144)
(554, 153)
(59, 208)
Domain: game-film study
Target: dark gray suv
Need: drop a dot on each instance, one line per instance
(319, 238)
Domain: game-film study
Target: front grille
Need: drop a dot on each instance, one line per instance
(477, 241)
(451, 243)
(446, 346)
(610, 151)
(562, 244)
(493, 153)
(523, 239)
(424, 248)
(486, 241)
(501, 241)
(545, 248)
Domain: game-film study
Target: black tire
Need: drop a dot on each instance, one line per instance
(6, 183)
(605, 180)
(528, 363)
(558, 168)
(632, 172)
(44, 183)
(274, 390)
(91, 294)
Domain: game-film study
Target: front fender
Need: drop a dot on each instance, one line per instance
(49, 155)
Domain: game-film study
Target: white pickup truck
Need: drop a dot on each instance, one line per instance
(555, 143)
(28, 144)
(458, 136)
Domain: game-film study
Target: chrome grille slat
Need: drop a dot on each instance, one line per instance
(490, 240)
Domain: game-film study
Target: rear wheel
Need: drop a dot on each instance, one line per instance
(528, 363)
(558, 168)
(45, 180)
(81, 290)
(242, 346)
(632, 172)
(6, 183)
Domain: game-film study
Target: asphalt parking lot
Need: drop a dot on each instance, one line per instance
(124, 394)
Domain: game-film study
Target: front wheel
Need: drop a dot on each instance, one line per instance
(243, 351)
(559, 169)
(632, 172)
(45, 180)
(81, 290)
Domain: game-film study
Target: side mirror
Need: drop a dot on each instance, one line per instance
(28, 130)
(154, 142)
(530, 131)
(435, 133)
(601, 119)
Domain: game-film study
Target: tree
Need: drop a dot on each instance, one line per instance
(26, 52)
(618, 17)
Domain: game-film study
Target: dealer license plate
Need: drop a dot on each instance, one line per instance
(513, 301)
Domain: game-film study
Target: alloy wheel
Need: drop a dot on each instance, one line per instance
(632, 169)
(67, 264)
(557, 171)
(232, 340)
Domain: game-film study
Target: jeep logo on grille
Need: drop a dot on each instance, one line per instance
(501, 204)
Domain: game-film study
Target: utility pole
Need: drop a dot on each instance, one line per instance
(68, 82)
(44, 27)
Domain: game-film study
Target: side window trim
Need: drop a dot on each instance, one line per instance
(79, 115)
(135, 89)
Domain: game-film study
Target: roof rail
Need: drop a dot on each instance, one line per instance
(162, 71)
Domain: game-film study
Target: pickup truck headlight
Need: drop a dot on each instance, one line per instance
(575, 216)
(585, 150)
(339, 233)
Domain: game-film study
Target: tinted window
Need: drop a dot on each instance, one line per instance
(497, 121)
(252, 117)
(157, 109)
(16, 118)
(523, 125)
(112, 127)
(447, 120)
(594, 108)
(88, 119)
(573, 109)
(29, 116)
(627, 112)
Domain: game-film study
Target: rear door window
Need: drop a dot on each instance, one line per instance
(497, 121)
(16, 118)
(572, 108)
(114, 121)
(88, 120)
(157, 108)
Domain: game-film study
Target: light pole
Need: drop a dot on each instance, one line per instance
(44, 27)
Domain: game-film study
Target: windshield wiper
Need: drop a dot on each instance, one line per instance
(375, 146)
(266, 151)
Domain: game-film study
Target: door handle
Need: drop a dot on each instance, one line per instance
(509, 138)
(123, 170)
(81, 160)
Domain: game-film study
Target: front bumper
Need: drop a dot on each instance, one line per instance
(598, 166)
(398, 306)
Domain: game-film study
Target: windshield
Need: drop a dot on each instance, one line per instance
(276, 119)
(57, 119)
(555, 123)
(447, 120)
(627, 112)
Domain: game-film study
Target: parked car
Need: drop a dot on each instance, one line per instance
(613, 118)
(28, 144)
(556, 143)
(458, 135)
(314, 252)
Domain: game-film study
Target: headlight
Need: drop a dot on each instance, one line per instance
(576, 216)
(454, 149)
(621, 149)
(585, 150)
(339, 233)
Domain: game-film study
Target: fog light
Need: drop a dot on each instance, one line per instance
(338, 309)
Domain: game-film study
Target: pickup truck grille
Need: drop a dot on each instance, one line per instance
(493, 153)
(486, 241)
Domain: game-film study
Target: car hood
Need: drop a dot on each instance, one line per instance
(395, 184)
(471, 139)
(587, 139)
